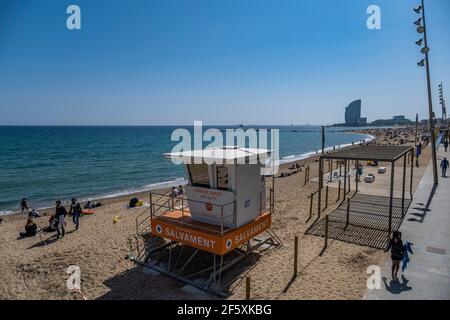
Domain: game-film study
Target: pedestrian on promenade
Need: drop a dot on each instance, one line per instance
(397, 252)
(444, 166)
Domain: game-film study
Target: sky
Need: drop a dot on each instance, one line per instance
(170, 62)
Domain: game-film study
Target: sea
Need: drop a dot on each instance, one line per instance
(46, 163)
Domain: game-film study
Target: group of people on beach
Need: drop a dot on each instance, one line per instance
(57, 220)
(177, 191)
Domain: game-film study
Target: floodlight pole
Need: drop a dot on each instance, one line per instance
(430, 101)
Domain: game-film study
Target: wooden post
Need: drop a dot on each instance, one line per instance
(326, 231)
(345, 179)
(348, 214)
(319, 199)
(306, 176)
(349, 184)
(311, 205)
(391, 197)
(295, 256)
(339, 190)
(247, 289)
(326, 198)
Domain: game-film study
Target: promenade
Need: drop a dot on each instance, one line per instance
(427, 226)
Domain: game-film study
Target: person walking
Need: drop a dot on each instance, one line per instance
(24, 205)
(397, 252)
(60, 214)
(444, 166)
(75, 211)
(446, 145)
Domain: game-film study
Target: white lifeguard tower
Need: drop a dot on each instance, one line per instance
(226, 205)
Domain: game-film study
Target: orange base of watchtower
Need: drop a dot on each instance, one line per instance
(177, 225)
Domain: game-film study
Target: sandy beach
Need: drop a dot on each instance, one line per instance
(35, 268)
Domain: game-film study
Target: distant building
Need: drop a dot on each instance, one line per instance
(353, 114)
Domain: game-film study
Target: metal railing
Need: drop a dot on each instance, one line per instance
(144, 219)
(166, 202)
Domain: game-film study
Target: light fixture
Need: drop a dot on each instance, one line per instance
(421, 63)
(417, 23)
(425, 50)
(419, 42)
(417, 9)
(420, 29)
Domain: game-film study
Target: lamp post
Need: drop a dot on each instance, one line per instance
(442, 103)
(444, 112)
(421, 28)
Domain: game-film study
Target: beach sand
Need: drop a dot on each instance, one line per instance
(35, 268)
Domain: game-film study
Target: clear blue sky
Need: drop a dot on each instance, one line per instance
(221, 61)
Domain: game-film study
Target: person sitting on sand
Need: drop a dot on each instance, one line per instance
(30, 229)
(88, 205)
(397, 252)
(180, 190)
(51, 224)
(60, 214)
(23, 205)
(133, 202)
(33, 214)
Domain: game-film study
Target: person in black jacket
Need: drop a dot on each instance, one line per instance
(75, 211)
(397, 252)
(60, 214)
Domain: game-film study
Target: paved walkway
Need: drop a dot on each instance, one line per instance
(427, 226)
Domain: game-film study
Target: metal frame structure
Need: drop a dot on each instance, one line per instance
(370, 153)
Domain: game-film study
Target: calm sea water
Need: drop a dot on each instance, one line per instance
(48, 163)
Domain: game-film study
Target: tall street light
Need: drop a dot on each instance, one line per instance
(442, 103)
(421, 28)
(444, 112)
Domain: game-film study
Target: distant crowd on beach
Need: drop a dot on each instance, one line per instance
(57, 221)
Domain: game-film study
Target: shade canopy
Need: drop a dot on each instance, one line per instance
(367, 152)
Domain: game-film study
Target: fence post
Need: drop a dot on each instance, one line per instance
(311, 199)
(326, 198)
(326, 231)
(247, 289)
(339, 190)
(349, 184)
(295, 256)
(348, 214)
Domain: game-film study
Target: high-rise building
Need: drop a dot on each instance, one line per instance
(353, 113)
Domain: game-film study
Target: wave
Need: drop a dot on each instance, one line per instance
(6, 212)
(302, 156)
(149, 187)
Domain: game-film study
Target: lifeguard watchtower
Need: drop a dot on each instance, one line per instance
(226, 205)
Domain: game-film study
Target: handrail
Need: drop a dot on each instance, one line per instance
(169, 202)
